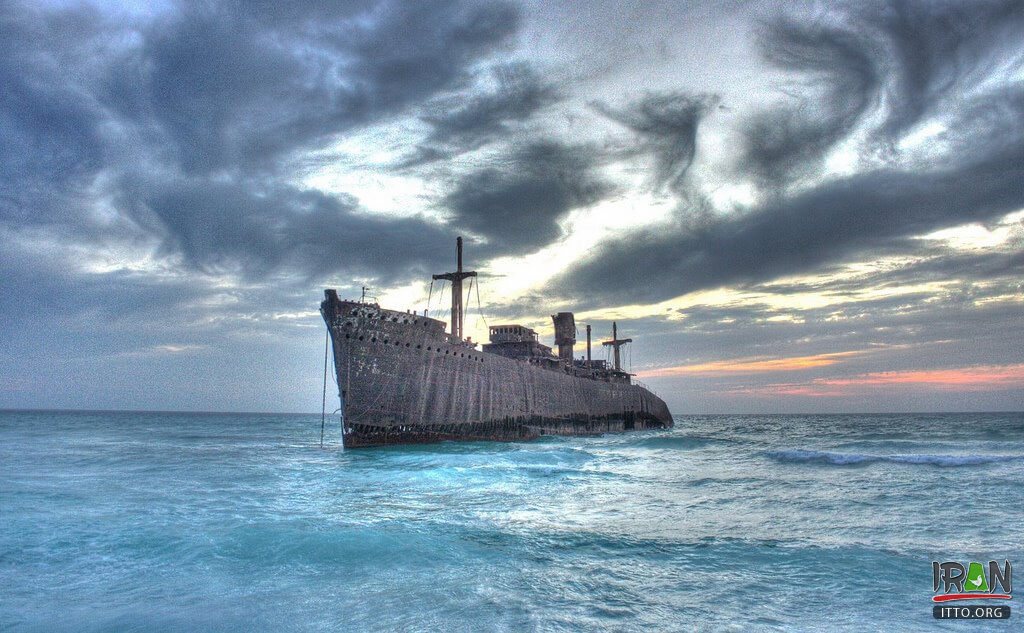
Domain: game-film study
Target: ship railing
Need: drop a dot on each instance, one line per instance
(645, 386)
(454, 340)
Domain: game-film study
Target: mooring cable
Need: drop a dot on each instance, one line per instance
(323, 405)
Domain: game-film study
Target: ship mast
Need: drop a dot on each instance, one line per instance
(456, 279)
(616, 343)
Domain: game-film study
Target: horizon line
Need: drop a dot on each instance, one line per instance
(210, 412)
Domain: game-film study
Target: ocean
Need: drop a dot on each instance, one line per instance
(240, 522)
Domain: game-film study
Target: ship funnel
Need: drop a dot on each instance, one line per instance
(588, 347)
(565, 334)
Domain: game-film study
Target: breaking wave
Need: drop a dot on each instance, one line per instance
(852, 459)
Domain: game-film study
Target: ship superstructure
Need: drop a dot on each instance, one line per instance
(403, 379)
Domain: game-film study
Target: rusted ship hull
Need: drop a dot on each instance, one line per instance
(403, 380)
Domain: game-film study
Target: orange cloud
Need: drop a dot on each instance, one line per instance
(756, 365)
(984, 377)
(979, 378)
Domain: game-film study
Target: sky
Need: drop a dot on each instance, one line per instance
(789, 206)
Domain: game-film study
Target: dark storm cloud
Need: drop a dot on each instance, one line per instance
(183, 123)
(516, 203)
(230, 90)
(467, 121)
(666, 125)
(909, 59)
(827, 223)
(837, 62)
(937, 51)
(980, 178)
(255, 229)
(50, 142)
(929, 263)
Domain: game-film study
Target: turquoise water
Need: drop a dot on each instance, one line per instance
(185, 522)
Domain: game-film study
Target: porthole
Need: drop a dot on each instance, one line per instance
(419, 347)
(430, 349)
(373, 340)
(407, 344)
(360, 338)
(346, 336)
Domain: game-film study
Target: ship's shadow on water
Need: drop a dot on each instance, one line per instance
(242, 523)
